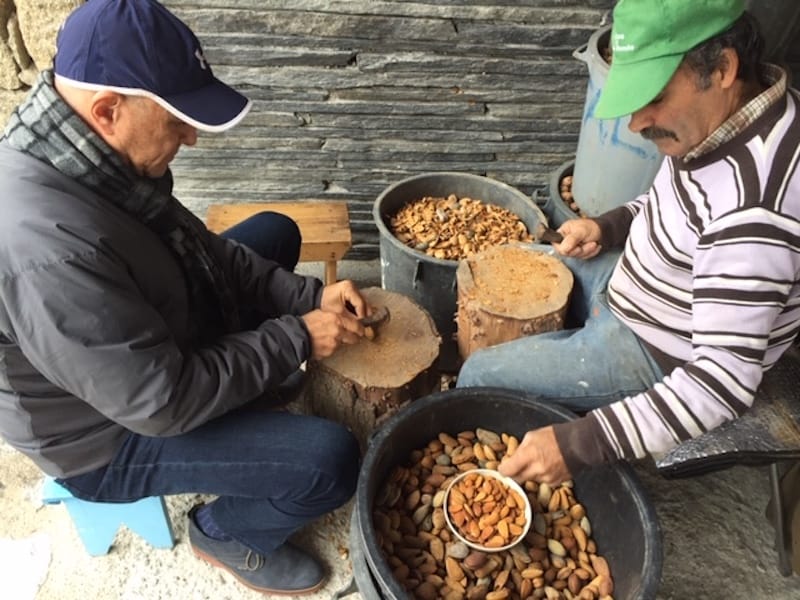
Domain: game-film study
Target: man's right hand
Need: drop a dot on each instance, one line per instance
(329, 330)
(538, 458)
(581, 239)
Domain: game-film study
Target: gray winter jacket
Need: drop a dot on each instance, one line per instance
(93, 325)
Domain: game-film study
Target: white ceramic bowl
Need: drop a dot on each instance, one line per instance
(508, 482)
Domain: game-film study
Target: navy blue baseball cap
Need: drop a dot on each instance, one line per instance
(139, 48)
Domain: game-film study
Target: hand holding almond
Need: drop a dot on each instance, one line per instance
(538, 458)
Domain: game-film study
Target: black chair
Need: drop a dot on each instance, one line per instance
(767, 435)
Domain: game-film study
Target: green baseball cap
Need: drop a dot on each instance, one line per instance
(649, 39)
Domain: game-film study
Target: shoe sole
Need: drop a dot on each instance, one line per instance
(212, 561)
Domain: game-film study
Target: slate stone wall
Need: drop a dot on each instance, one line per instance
(351, 96)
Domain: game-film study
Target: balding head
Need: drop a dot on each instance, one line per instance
(99, 108)
(79, 99)
(144, 134)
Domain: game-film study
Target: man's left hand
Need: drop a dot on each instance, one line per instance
(338, 296)
(538, 458)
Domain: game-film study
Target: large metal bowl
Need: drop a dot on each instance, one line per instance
(430, 281)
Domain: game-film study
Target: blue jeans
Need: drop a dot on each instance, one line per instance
(273, 471)
(597, 360)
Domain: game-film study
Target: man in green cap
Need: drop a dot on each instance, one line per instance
(692, 289)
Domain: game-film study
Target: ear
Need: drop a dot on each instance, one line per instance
(728, 67)
(105, 110)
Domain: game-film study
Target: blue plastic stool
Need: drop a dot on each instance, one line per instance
(97, 523)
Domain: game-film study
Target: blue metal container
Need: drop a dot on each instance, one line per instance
(612, 165)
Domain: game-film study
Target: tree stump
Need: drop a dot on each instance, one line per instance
(364, 384)
(508, 292)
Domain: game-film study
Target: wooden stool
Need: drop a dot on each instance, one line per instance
(97, 523)
(324, 226)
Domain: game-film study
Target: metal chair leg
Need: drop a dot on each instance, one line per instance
(782, 541)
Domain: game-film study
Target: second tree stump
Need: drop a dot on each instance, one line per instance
(508, 292)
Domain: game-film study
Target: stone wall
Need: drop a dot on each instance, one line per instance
(353, 95)
(27, 44)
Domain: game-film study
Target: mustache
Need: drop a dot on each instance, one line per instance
(654, 133)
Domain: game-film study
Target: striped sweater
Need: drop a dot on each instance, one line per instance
(709, 277)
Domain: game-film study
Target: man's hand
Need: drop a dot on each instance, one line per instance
(537, 458)
(334, 323)
(337, 296)
(581, 239)
(329, 330)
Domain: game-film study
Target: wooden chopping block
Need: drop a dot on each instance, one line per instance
(364, 384)
(507, 292)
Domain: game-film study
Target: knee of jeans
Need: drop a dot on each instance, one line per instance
(268, 218)
(278, 226)
(472, 370)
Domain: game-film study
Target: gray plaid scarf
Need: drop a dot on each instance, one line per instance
(45, 127)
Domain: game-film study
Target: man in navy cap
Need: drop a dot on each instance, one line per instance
(132, 340)
(691, 291)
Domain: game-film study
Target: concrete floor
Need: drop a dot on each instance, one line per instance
(717, 543)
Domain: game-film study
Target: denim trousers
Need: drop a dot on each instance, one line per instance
(594, 361)
(273, 471)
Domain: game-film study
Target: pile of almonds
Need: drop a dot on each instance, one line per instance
(453, 228)
(485, 511)
(606, 53)
(565, 189)
(556, 560)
